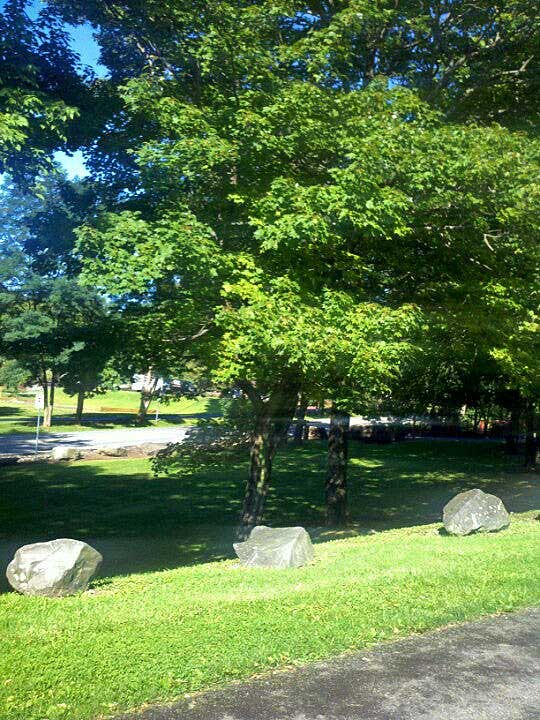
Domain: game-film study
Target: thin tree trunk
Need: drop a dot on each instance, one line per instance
(142, 412)
(512, 438)
(45, 385)
(147, 393)
(49, 404)
(300, 424)
(274, 418)
(336, 479)
(530, 438)
(80, 404)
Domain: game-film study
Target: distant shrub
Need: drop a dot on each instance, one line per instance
(12, 375)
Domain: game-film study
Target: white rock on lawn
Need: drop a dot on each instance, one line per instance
(275, 547)
(54, 569)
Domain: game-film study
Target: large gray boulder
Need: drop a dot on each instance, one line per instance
(275, 547)
(55, 568)
(473, 511)
(60, 452)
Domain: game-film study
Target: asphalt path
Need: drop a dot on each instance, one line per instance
(484, 670)
(88, 439)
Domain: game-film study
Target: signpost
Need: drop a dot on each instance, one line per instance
(40, 405)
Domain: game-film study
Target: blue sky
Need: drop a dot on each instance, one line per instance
(82, 40)
(72, 164)
(83, 43)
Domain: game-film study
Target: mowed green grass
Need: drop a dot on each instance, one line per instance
(109, 410)
(155, 636)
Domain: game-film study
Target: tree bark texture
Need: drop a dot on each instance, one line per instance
(147, 393)
(48, 397)
(336, 479)
(273, 418)
(80, 405)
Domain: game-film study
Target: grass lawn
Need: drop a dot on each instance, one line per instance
(112, 409)
(159, 633)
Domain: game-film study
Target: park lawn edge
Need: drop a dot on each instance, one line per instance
(275, 673)
(221, 592)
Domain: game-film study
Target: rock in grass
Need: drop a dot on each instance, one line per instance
(151, 449)
(275, 547)
(54, 569)
(474, 511)
(65, 453)
(114, 450)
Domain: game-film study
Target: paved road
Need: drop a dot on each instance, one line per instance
(486, 670)
(25, 444)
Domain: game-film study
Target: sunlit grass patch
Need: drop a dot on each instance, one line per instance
(154, 637)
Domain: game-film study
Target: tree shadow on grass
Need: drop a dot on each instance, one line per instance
(141, 523)
(8, 411)
(108, 421)
(138, 522)
(101, 421)
(409, 483)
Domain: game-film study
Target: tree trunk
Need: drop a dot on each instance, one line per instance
(144, 403)
(273, 419)
(80, 405)
(147, 393)
(512, 438)
(300, 424)
(49, 403)
(336, 479)
(261, 456)
(530, 439)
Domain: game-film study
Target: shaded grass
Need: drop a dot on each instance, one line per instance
(154, 637)
(141, 523)
(391, 485)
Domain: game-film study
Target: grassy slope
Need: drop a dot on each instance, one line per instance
(154, 637)
(157, 635)
(17, 412)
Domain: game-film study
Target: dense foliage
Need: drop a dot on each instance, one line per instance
(333, 199)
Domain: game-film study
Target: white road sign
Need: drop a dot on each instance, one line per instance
(39, 401)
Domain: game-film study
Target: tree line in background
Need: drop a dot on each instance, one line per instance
(300, 200)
